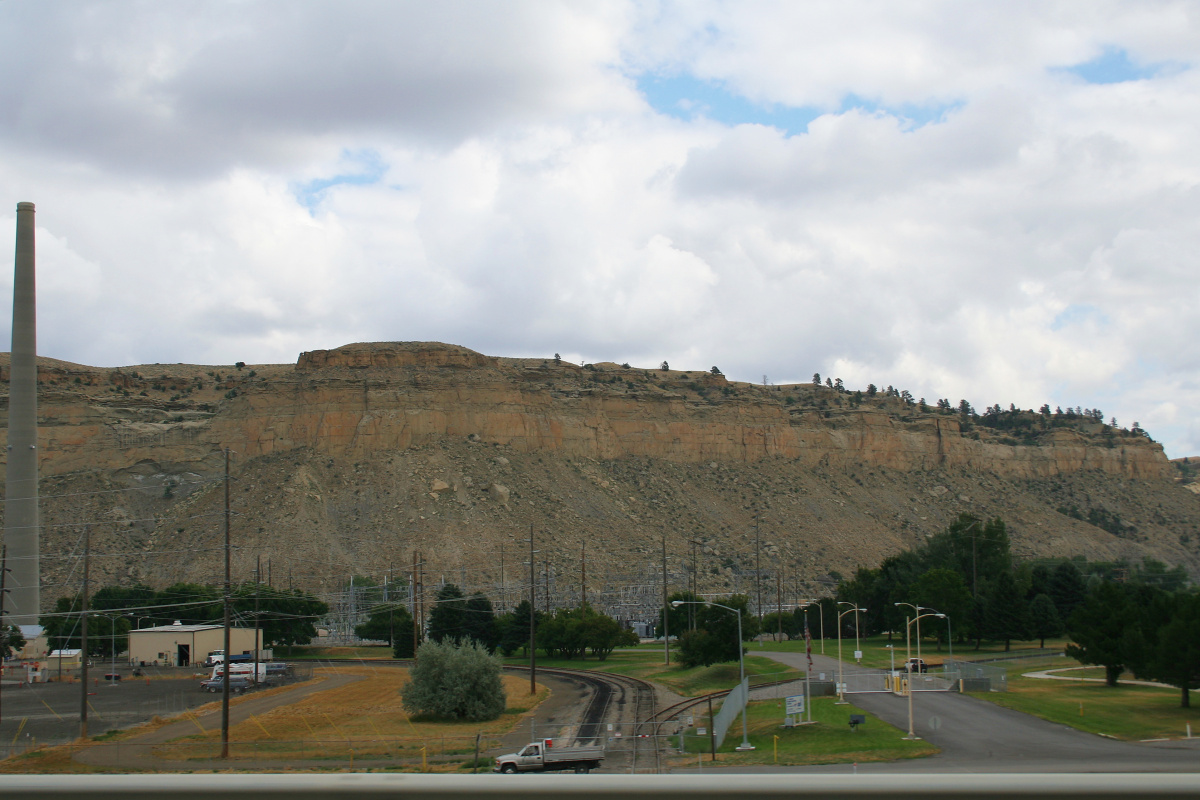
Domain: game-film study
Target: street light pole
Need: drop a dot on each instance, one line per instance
(917, 611)
(908, 669)
(745, 745)
(857, 645)
(821, 615)
(841, 701)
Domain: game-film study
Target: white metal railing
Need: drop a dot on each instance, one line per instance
(359, 786)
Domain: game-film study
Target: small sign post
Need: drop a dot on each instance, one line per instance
(793, 710)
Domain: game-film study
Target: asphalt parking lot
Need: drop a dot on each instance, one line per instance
(48, 713)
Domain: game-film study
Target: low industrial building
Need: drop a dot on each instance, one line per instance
(185, 645)
(61, 660)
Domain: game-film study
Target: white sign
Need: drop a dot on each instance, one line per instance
(858, 655)
(794, 704)
(702, 731)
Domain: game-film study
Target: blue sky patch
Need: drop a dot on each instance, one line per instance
(366, 168)
(1079, 314)
(687, 97)
(914, 115)
(1113, 66)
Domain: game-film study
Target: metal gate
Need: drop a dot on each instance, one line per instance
(933, 682)
(864, 681)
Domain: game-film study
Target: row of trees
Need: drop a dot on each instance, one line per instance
(968, 573)
(286, 616)
(566, 633)
(1153, 633)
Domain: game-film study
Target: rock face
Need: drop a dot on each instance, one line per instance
(368, 398)
(367, 409)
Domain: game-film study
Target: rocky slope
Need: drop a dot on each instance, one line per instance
(354, 459)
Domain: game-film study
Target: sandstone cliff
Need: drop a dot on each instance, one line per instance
(353, 459)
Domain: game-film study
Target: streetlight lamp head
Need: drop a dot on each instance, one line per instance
(940, 616)
(676, 603)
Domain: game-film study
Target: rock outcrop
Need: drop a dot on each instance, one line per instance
(370, 415)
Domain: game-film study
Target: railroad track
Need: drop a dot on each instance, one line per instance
(654, 723)
(628, 703)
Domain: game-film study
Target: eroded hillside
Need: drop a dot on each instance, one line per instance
(353, 459)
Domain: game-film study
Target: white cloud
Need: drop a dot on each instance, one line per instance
(246, 180)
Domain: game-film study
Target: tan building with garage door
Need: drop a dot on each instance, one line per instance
(187, 645)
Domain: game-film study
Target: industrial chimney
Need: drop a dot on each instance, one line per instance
(21, 522)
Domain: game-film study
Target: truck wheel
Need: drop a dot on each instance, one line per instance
(509, 769)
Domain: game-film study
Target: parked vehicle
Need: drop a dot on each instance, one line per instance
(543, 756)
(247, 671)
(920, 665)
(218, 657)
(237, 683)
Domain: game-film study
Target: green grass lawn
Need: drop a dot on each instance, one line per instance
(876, 654)
(647, 664)
(1123, 711)
(829, 741)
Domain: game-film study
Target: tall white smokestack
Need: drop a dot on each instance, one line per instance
(21, 522)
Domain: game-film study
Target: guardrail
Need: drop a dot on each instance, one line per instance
(358, 786)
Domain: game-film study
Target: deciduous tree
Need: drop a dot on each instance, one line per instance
(1100, 628)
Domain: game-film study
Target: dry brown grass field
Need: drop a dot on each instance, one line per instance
(363, 720)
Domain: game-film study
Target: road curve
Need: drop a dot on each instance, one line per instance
(977, 736)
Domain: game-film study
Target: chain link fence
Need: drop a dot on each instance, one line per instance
(974, 677)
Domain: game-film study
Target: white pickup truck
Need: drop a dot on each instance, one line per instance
(543, 756)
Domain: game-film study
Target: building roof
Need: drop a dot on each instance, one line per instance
(178, 629)
(186, 629)
(64, 653)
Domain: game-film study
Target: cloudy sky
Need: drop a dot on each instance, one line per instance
(990, 201)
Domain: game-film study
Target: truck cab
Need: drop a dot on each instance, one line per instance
(530, 755)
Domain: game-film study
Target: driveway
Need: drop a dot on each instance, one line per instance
(977, 736)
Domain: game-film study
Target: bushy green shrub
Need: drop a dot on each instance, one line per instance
(456, 680)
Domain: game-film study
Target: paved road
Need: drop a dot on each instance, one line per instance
(977, 736)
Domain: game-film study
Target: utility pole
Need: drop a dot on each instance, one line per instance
(758, 565)
(666, 609)
(226, 671)
(503, 584)
(583, 577)
(778, 606)
(532, 620)
(83, 632)
(695, 588)
(3, 619)
(387, 598)
(418, 609)
(546, 584)
(257, 620)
